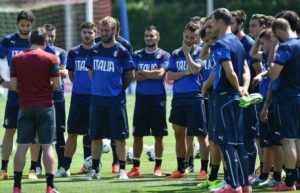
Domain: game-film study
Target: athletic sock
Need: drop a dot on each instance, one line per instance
(17, 179)
(33, 165)
(136, 162)
(67, 162)
(158, 161)
(181, 164)
(49, 180)
(4, 165)
(122, 165)
(204, 165)
(214, 172)
(96, 164)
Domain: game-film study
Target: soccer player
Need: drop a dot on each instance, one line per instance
(150, 104)
(37, 114)
(58, 97)
(251, 115)
(127, 45)
(286, 69)
(230, 80)
(111, 71)
(11, 45)
(269, 132)
(187, 116)
(78, 120)
(257, 25)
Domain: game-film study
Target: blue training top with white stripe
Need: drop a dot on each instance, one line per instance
(77, 56)
(227, 48)
(188, 85)
(108, 65)
(144, 60)
(11, 45)
(288, 56)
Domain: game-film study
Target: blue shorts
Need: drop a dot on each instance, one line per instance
(251, 122)
(108, 118)
(288, 116)
(149, 120)
(190, 113)
(269, 132)
(228, 119)
(78, 120)
(60, 115)
(11, 110)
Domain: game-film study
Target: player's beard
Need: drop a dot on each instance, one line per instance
(87, 42)
(107, 39)
(235, 31)
(150, 45)
(24, 33)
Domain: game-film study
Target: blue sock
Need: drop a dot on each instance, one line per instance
(114, 152)
(251, 148)
(231, 162)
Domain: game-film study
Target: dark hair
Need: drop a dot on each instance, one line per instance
(191, 27)
(152, 27)
(240, 16)
(291, 17)
(88, 24)
(223, 14)
(38, 36)
(269, 20)
(26, 15)
(261, 18)
(49, 27)
(267, 34)
(203, 32)
(281, 24)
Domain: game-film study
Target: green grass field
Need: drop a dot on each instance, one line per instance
(109, 182)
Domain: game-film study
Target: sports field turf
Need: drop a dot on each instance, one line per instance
(109, 182)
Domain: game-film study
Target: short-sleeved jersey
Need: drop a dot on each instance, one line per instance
(264, 83)
(108, 65)
(58, 95)
(227, 48)
(144, 60)
(77, 56)
(122, 41)
(288, 56)
(248, 42)
(33, 69)
(188, 85)
(11, 45)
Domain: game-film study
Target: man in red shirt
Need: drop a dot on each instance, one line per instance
(34, 75)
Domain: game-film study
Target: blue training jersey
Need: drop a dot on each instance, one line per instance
(58, 96)
(248, 42)
(108, 65)
(288, 56)
(11, 45)
(227, 48)
(77, 56)
(144, 60)
(264, 83)
(188, 85)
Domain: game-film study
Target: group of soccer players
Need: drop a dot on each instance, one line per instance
(215, 66)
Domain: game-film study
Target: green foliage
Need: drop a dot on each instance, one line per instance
(170, 16)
